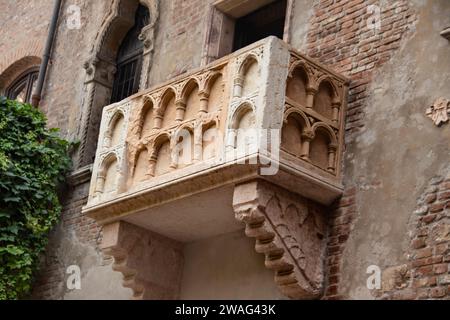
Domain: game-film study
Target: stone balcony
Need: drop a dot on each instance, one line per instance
(200, 155)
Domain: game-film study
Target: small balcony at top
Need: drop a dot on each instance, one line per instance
(265, 112)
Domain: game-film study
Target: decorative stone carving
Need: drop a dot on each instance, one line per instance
(395, 278)
(100, 69)
(151, 264)
(289, 230)
(203, 105)
(316, 98)
(438, 112)
(138, 166)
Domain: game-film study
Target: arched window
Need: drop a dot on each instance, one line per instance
(129, 59)
(22, 88)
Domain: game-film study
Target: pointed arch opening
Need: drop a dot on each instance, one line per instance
(291, 137)
(319, 151)
(324, 99)
(297, 85)
(129, 58)
(118, 66)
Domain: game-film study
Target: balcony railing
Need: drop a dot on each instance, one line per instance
(265, 112)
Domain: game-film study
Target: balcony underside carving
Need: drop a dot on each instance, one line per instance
(151, 265)
(289, 231)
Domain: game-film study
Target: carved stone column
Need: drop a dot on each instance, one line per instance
(151, 166)
(238, 85)
(289, 230)
(332, 150)
(147, 36)
(181, 110)
(98, 88)
(204, 99)
(307, 137)
(310, 94)
(150, 263)
(336, 106)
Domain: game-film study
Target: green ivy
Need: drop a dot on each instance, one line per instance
(33, 163)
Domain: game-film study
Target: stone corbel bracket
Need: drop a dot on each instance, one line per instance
(151, 264)
(289, 231)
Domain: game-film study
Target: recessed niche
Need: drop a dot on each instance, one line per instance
(323, 100)
(164, 159)
(168, 105)
(246, 130)
(319, 149)
(216, 94)
(251, 78)
(147, 119)
(141, 168)
(291, 139)
(210, 139)
(111, 176)
(192, 101)
(296, 86)
(185, 149)
(117, 131)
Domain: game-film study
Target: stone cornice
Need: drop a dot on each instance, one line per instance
(446, 33)
(80, 176)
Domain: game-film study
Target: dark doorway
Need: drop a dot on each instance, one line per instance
(264, 22)
(129, 59)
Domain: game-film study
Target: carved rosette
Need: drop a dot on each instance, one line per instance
(289, 231)
(439, 111)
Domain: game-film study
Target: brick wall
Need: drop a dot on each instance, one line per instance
(30, 21)
(428, 269)
(50, 281)
(186, 15)
(180, 40)
(340, 226)
(339, 36)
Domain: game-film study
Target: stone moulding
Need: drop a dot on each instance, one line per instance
(100, 68)
(80, 176)
(289, 231)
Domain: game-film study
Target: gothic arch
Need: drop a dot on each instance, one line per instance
(11, 72)
(100, 67)
(245, 108)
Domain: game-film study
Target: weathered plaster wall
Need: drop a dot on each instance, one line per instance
(75, 242)
(63, 91)
(179, 42)
(226, 267)
(399, 150)
(301, 15)
(393, 149)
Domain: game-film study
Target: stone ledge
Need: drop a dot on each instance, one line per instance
(80, 176)
(446, 33)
